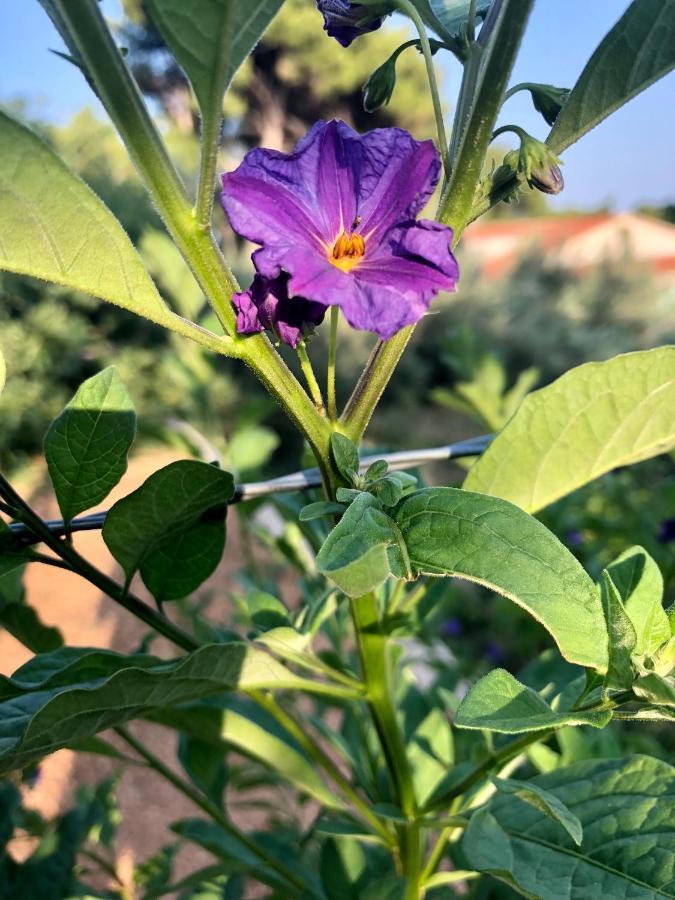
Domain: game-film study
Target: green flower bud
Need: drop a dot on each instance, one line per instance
(548, 100)
(378, 89)
(539, 165)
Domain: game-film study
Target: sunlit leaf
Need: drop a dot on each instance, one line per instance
(638, 51)
(591, 420)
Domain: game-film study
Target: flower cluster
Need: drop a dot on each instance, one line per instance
(336, 224)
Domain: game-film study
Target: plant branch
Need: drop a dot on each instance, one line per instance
(330, 379)
(99, 579)
(310, 377)
(316, 752)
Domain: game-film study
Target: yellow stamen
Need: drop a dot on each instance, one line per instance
(347, 251)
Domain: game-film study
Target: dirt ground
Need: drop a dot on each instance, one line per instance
(88, 619)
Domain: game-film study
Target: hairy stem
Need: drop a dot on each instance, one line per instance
(310, 377)
(407, 8)
(211, 810)
(332, 347)
(372, 646)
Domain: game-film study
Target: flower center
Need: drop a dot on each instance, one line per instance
(347, 251)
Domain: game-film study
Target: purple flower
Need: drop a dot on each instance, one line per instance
(266, 305)
(346, 21)
(338, 216)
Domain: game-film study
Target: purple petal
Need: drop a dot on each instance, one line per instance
(398, 176)
(267, 305)
(341, 18)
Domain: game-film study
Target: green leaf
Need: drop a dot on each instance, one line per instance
(205, 765)
(73, 693)
(656, 689)
(3, 372)
(621, 636)
(13, 553)
(346, 456)
(638, 51)
(455, 532)
(544, 801)
(320, 509)
(639, 582)
(211, 39)
(21, 620)
(499, 702)
(257, 736)
(86, 446)
(157, 528)
(52, 226)
(627, 810)
(363, 549)
(591, 420)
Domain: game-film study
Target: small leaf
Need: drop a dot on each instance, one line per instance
(141, 529)
(211, 39)
(320, 509)
(21, 620)
(621, 636)
(52, 226)
(638, 51)
(205, 765)
(626, 808)
(655, 689)
(378, 469)
(639, 582)
(346, 456)
(86, 446)
(544, 801)
(363, 549)
(591, 420)
(456, 532)
(73, 693)
(499, 702)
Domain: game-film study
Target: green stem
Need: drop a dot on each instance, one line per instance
(372, 383)
(407, 8)
(486, 76)
(211, 810)
(99, 579)
(316, 752)
(310, 377)
(332, 346)
(372, 646)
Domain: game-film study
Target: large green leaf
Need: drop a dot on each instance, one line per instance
(52, 226)
(627, 810)
(454, 532)
(161, 529)
(591, 420)
(73, 693)
(86, 447)
(252, 733)
(499, 702)
(640, 585)
(211, 39)
(638, 51)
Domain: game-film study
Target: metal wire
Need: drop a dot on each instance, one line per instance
(297, 481)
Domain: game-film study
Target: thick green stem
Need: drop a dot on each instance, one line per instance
(372, 646)
(407, 8)
(332, 347)
(211, 810)
(118, 92)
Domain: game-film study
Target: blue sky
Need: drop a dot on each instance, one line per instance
(624, 162)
